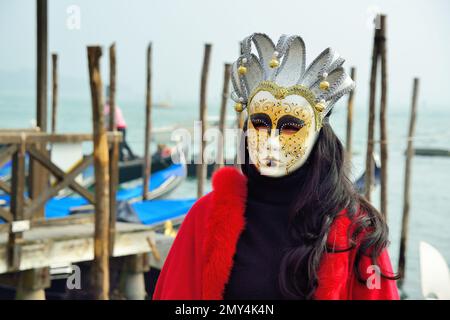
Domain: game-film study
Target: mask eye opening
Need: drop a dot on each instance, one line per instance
(289, 125)
(261, 121)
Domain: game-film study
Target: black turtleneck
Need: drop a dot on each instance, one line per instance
(262, 242)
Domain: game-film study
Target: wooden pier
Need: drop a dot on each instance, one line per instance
(31, 245)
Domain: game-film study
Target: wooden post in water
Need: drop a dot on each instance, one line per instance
(351, 97)
(112, 87)
(371, 125)
(17, 203)
(201, 167)
(383, 119)
(148, 126)
(39, 175)
(41, 64)
(407, 183)
(101, 165)
(54, 90)
(225, 92)
(113, 150)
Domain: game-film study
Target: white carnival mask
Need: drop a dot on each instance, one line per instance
(285, 104)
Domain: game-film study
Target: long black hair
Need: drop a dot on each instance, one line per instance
(325, 191)
(322, 194)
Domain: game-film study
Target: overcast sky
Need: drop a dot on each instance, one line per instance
(418, 37)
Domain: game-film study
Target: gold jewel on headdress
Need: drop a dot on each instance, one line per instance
(324, 84)
(238, 106)
(242, 69)
(320, 106)
(274, 63)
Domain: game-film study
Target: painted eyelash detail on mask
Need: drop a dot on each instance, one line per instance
(258, 119)
(289, 120)
(292, 124)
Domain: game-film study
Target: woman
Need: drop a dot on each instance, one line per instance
(291, 225)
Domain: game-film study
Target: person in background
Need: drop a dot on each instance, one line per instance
(121, 127)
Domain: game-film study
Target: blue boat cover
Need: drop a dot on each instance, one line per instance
(154, 211)
(148, 211)
(5, 170)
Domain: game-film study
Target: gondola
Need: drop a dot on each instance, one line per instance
(161, 184)
(360, 183)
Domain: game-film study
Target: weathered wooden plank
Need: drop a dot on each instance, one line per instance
(18, 182)
(38, 137)
(9, 131)
(7, 153)
(16, 206)
(5, 187)
(6, 215)
(80, 218)
(45, 246)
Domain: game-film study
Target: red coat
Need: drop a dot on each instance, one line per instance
(201, 258)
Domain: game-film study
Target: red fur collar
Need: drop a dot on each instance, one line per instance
(226, 222)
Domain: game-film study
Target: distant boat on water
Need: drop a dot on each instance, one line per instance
(432, 152)
(163, 105)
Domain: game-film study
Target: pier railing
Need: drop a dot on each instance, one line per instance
(20, 217)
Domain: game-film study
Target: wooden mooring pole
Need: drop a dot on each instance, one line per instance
(407, 184)
(371, 124)
(54, 90)
(148, 126)
(39, 175)
(113, 150)
(41, 64)
(222, 120)
(101, 165)
(201, 167)
(351, 97)
(112, 87)
(383, 120)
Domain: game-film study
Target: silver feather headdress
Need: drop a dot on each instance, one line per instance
(283, 67)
